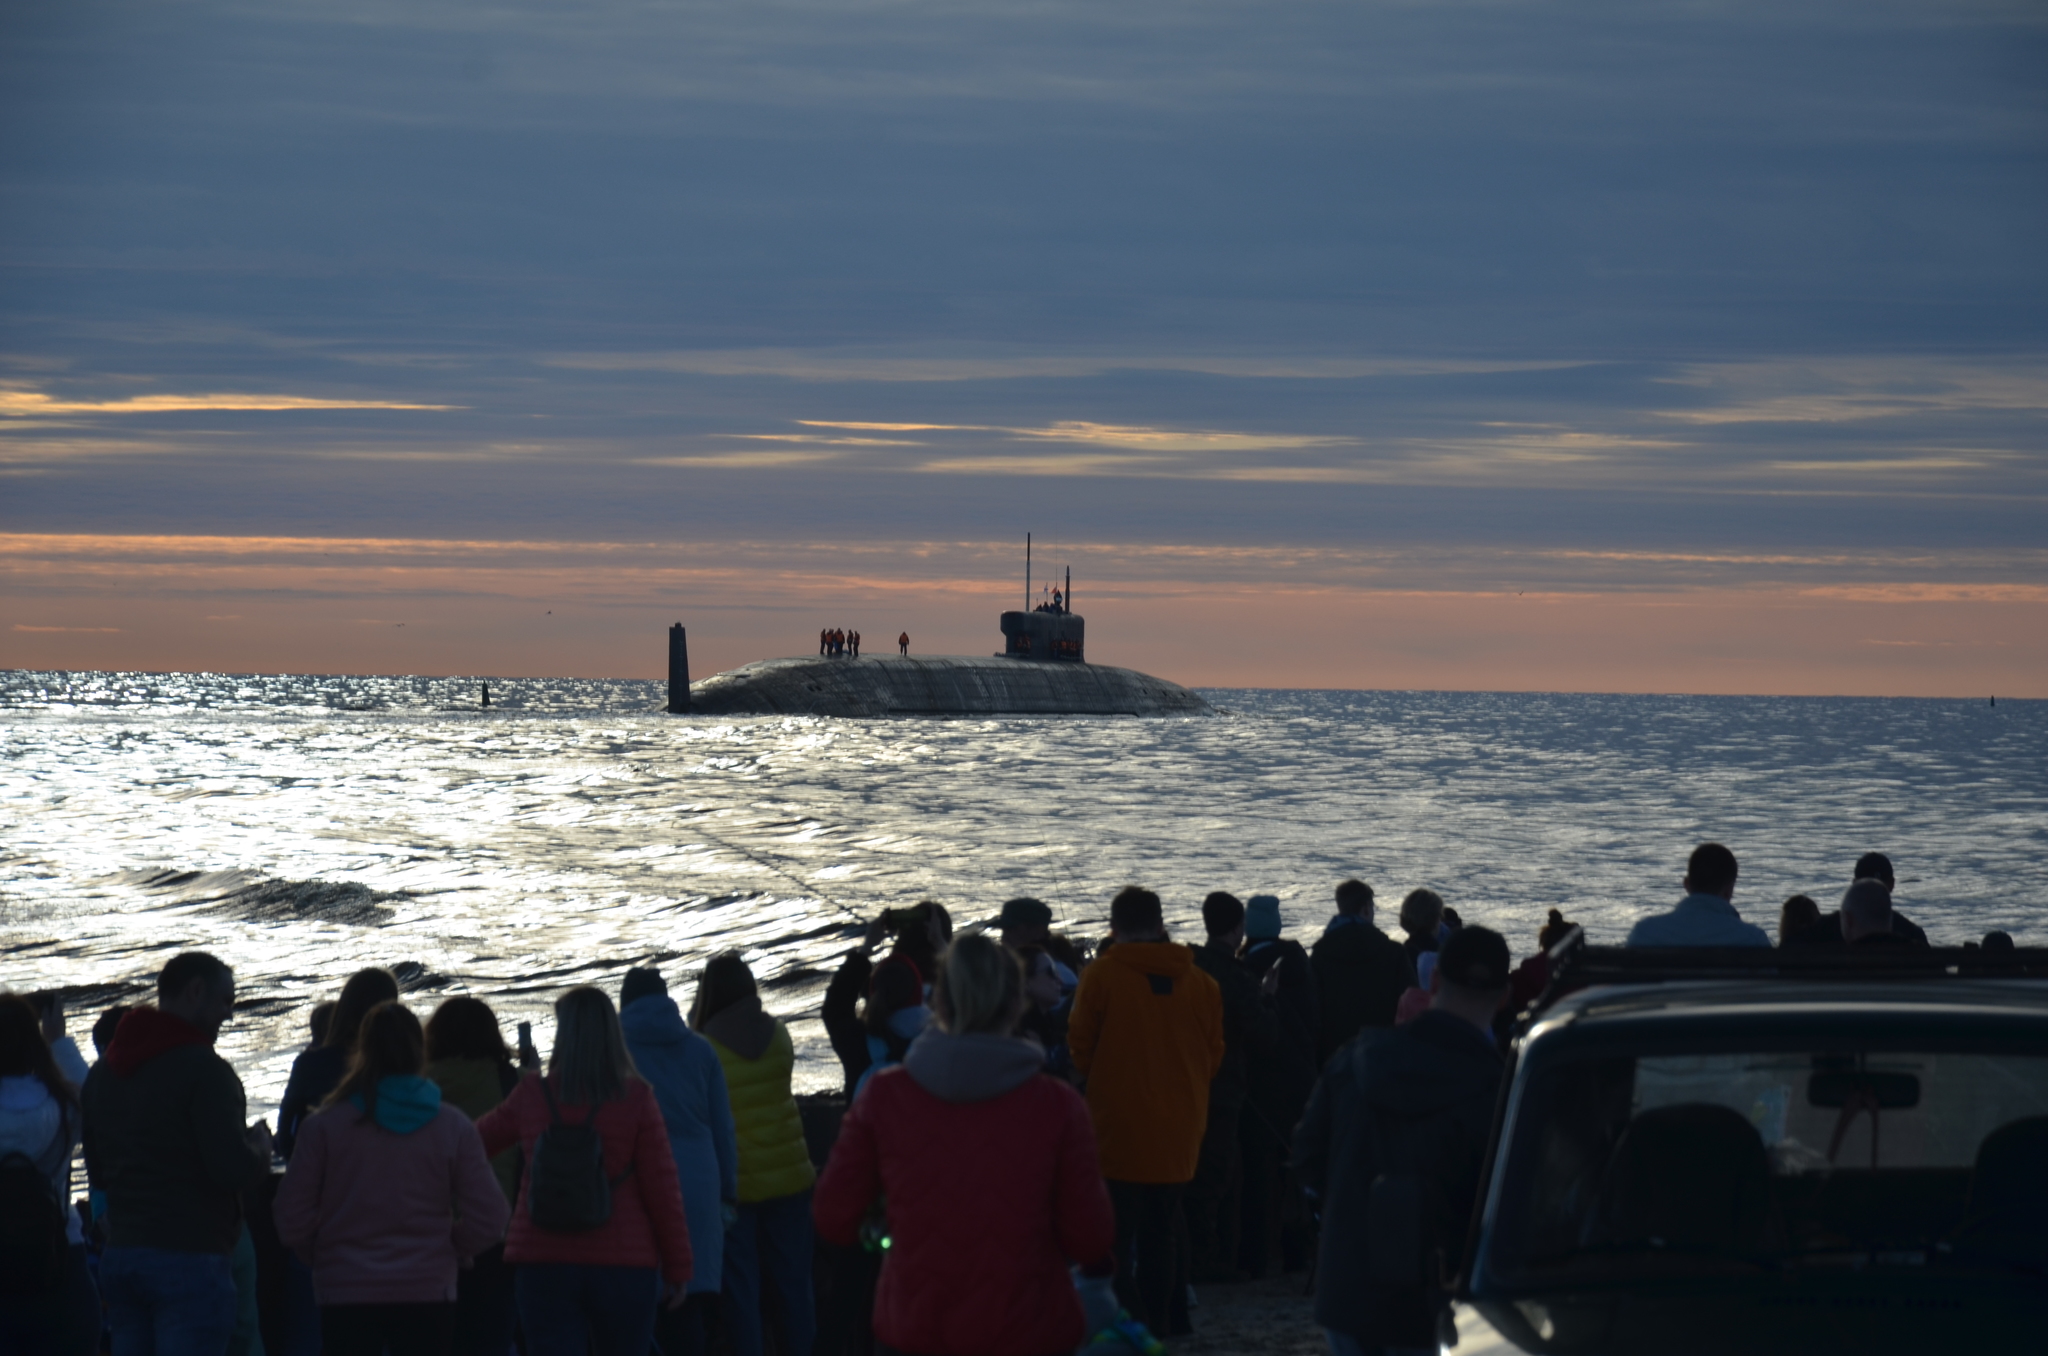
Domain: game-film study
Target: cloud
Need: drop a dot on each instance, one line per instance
(622, 569)
(1141, 437)
(18, 404)
(1846, 390)
(762, 460)
(885, 428)
(836, 366)
(1171, 440)
(1051, 464)
(824, 442)
(1414, 616)
(1476, 281)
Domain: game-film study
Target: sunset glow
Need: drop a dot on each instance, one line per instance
(1467, 345)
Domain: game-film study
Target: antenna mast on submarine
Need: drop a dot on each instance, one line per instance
(1027, 571)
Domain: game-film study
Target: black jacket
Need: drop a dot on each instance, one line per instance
(315, 1073)
(165, 1142)
(1361, 974)
(1278, 1087)
(842, 1016)
(1250, 1029)
(1414, 1099)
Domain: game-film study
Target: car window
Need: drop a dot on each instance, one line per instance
(1958, 1099)
(1746, 1156)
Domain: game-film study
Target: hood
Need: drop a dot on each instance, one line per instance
(147, 1032)
(654, 1019)
(22, 1092)
(1349, 932)
(405, 1102)
(972, 1068)
(742, 1028)
(1427, 1066)
(909, 1023)
(1153, 958)
(905, 1024)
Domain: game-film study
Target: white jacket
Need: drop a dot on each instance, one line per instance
(31, 1122)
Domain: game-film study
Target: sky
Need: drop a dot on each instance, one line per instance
(1472, 344)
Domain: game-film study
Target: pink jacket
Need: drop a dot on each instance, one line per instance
(387, 1218)
(647, 1227)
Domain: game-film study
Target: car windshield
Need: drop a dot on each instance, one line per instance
(1752, 1158)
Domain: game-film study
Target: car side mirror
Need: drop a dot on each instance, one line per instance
(1886, 1091)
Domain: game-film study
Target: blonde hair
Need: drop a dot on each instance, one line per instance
(980, 988)
(589, 1062)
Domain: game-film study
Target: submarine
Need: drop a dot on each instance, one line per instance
(1042, 670)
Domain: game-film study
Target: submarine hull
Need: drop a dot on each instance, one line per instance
(939, 686)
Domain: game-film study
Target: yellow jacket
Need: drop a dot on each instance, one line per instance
(1147, 1032)
(757, 1055)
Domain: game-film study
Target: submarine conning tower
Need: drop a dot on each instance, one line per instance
(1043, 634)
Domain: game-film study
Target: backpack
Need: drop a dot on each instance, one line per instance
(568, 1192)
(32, 1241)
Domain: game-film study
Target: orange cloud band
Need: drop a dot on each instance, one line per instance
(1276, 617)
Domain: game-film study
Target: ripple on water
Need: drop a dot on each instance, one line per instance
(303, 827)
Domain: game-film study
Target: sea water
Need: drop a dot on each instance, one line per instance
(302, 827)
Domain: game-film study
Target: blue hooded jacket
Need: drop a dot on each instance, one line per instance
(405, 1102)
(906, 1024)
(689, 1086)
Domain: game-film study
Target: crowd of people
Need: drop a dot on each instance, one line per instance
(843, 643)
(1039, 1145)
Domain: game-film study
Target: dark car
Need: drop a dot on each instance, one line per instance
(1756, 1152)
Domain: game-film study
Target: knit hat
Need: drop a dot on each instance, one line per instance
(641, 982)
(1262, 917)
(1474, 958)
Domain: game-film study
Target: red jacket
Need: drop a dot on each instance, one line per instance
(647, 1227)
(988, 1200)
(383, 1217)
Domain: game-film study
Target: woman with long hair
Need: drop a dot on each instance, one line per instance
(611, 1240)
(773, 1230)
(387, 1197)
(895, 1016)
(978, 1260)
(468, 1061)
(1048, 1005)
(55, 1309)
(316, 1071)
(873, 1010)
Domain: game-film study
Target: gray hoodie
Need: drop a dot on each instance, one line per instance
(972, 1068)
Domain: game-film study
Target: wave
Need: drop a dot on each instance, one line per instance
(266, 899)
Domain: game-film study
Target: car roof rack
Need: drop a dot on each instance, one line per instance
(1576, 964)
